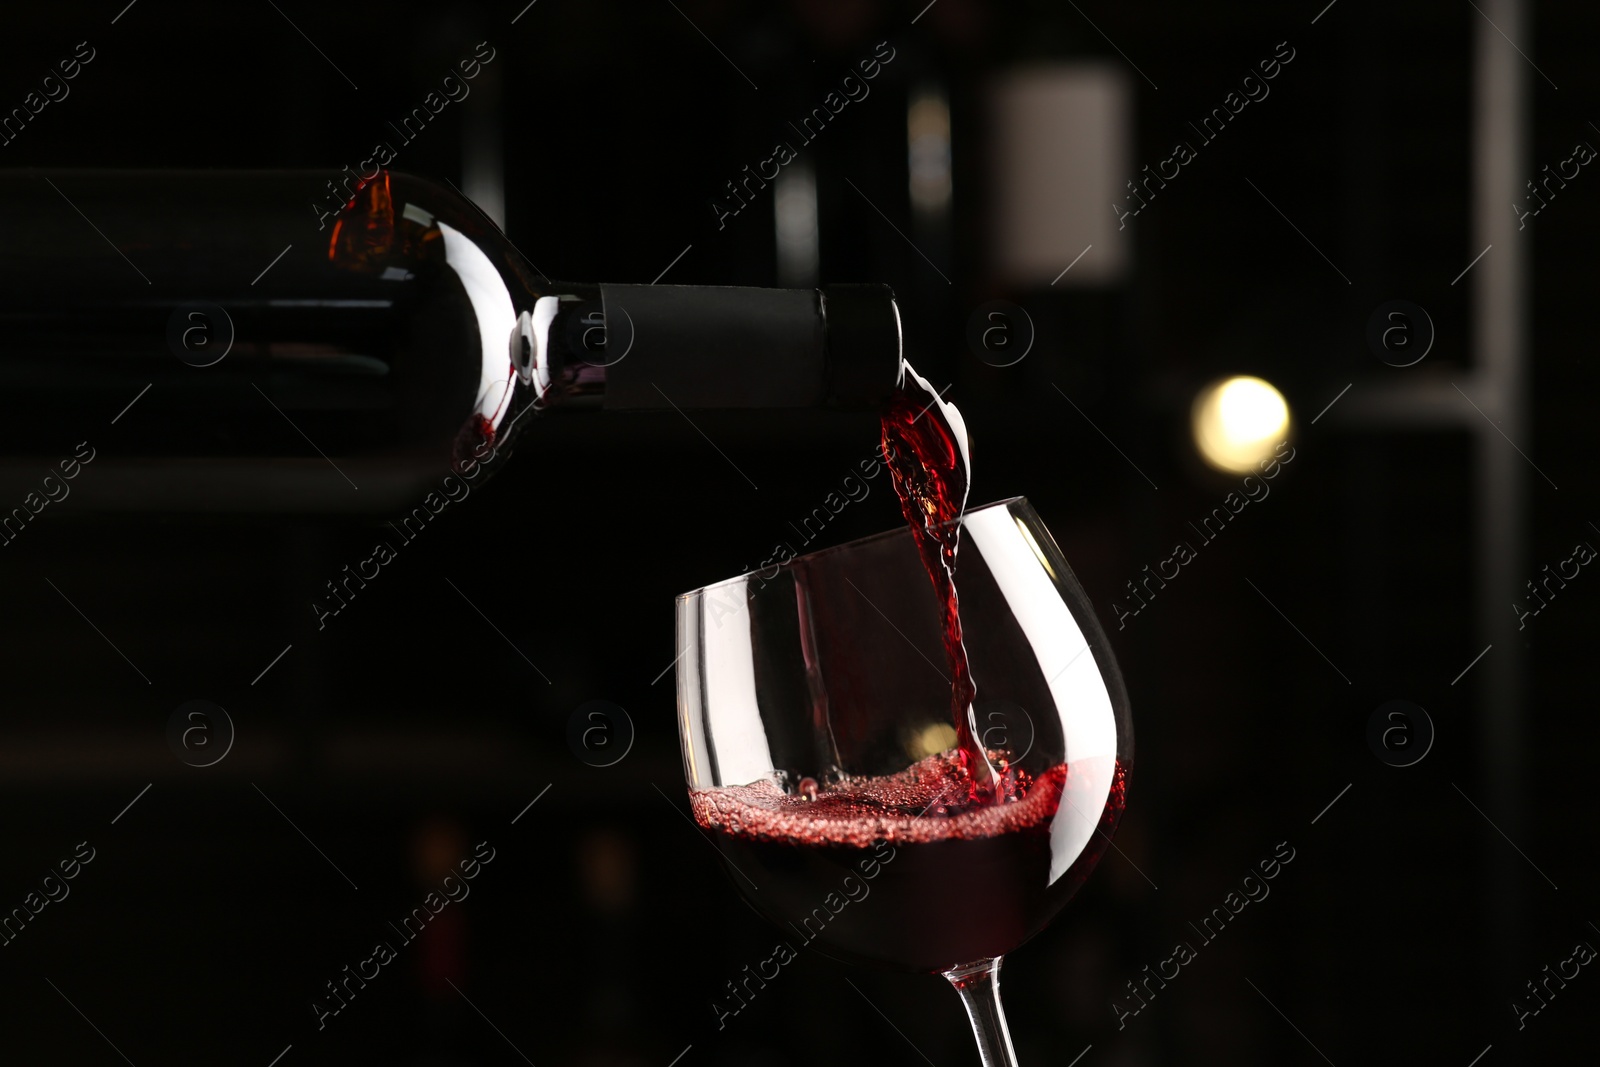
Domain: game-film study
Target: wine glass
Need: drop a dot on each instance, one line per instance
(814, 711)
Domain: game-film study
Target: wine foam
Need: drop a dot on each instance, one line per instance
(930, 801)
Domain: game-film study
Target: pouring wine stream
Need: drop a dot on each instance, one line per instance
(925, 443)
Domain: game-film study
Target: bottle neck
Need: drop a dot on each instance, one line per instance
(639, 347)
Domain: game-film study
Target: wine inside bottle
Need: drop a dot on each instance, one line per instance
(220, 346)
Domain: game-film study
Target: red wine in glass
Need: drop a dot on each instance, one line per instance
(884, 872)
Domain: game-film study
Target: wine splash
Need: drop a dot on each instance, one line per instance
(925, 443)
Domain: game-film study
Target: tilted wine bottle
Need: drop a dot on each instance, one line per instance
(217, 350)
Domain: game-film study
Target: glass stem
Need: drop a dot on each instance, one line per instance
(979, 986)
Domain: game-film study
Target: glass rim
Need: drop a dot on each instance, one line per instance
(897, 531)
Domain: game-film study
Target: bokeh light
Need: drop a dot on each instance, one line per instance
(1238, 421)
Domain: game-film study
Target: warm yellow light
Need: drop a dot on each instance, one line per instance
(1238, 422)
(1027, 535)
(933, 739)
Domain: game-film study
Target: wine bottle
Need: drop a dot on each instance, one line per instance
(273, 340)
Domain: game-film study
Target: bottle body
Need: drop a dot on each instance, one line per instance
(243, 346)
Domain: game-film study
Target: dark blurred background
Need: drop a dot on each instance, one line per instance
(1386, 155)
